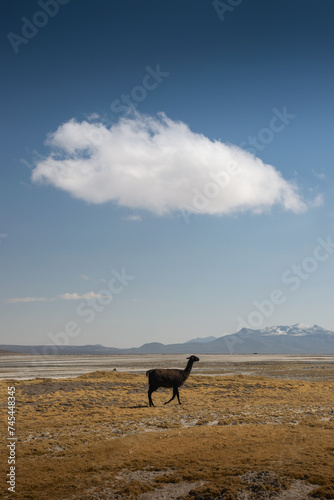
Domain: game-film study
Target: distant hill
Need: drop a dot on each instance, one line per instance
(295, 339)
(5, 351)
(201, 340)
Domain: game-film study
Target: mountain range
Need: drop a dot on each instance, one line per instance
(295, 339)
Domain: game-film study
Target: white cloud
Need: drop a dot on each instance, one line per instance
(160, 165)
(318, 201)
(319, 175)
(64, 296)
(76, 296)
(27, 299)
(84, 277)
(93, 116)
(133, 218)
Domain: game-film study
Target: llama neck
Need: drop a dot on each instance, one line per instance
(188, 368)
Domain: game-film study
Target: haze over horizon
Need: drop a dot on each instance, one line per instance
(166, 170)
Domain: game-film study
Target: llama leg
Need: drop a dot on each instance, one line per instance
(149, 397)
(174, 394)
(178, 396)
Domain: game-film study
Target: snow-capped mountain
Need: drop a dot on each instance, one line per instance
(281, 339)
(299, 329)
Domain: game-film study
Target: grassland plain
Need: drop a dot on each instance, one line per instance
(268, 434)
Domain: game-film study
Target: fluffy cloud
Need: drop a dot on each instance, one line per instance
(160, 165)
(64, 296)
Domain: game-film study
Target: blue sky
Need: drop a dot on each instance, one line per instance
(90, 189)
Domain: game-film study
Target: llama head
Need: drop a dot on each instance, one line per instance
(193, 358)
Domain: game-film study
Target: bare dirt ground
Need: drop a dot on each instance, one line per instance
(247, 429)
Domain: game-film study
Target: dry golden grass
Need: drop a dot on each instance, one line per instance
(86, 437)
